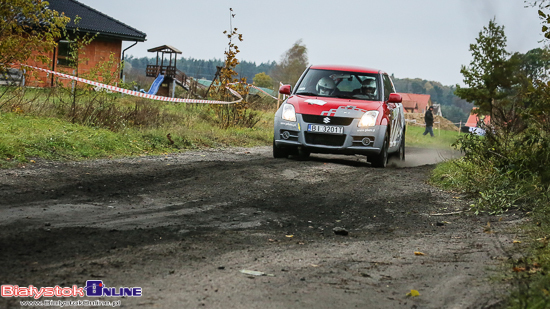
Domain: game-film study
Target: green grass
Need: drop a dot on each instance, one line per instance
(25, 139)
(495, 190)
(531, 286)
(442, 139)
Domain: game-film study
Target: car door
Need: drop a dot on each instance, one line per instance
(396, 116)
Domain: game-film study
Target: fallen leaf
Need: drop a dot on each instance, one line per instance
(413, 293)
(289, 236)
(418, 253)
(487, 229)
(534, 270)
(516, 241)
(518, 269)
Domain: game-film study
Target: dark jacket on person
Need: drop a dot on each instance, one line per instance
(429, 118)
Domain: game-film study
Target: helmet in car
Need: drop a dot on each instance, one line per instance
(325, 86)
(369, 86)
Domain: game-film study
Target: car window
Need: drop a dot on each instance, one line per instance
(349, 84)
(388, 87)
(340, 84)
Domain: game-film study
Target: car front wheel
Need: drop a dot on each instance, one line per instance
(278, 152)
(381, 160)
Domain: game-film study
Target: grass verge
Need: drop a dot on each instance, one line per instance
(25, 139)
(496, 193)
(442, 139)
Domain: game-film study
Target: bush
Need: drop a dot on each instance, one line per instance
(502, 170)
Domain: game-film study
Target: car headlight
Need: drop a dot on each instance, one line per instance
(368, 119)
(289, 113)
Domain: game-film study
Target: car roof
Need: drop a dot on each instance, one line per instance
(346, 68)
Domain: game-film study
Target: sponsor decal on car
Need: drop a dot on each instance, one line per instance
(315, 101)
(345, 111)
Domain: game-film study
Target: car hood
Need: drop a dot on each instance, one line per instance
(332, 106)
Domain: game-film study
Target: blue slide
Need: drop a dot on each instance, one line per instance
(156, 85)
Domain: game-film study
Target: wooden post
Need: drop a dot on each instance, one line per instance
(173, 88)
(161, 63)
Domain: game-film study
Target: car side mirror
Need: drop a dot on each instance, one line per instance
(285, 89)
(395, 98)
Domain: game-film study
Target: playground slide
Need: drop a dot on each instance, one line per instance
(156, 85)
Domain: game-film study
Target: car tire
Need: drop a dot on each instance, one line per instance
(278, 152)
(381, 160)
(303, 154)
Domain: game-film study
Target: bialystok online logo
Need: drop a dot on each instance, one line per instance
(93, 288)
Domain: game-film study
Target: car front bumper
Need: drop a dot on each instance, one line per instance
(354, 140)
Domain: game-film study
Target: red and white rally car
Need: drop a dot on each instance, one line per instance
(341, 110)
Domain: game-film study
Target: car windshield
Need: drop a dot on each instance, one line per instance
(340, 84)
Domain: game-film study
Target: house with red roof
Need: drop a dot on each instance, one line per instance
(473, 119)
(110, 35)
(416, 103)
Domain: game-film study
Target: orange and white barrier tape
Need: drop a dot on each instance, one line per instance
(257, 88)
(136, 93)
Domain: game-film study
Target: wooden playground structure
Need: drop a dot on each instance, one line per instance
(167, 75)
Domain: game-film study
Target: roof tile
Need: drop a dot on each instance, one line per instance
(95, 21)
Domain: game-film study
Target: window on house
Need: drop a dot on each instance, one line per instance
(63, 53)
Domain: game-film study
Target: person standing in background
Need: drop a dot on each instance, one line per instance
(429, 120)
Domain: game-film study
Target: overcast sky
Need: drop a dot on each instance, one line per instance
(426, 39)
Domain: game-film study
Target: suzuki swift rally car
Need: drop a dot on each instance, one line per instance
(341, 110)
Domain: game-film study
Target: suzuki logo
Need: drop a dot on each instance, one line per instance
(326, 120)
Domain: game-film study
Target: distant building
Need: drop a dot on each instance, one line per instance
(416, 103)
(111, 33)
(474, 119)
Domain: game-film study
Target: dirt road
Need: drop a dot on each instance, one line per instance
(188, 229)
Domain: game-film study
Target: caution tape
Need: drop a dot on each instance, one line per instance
(136, 93)
(257, 88)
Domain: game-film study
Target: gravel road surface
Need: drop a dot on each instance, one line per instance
(235, 228)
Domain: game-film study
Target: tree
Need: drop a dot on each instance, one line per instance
(27, 27)
(417, 87)
(293, 63)
(489, 70)
(237, 114)
(454, 114)
(544, 5)
(263, 80)
(535, 63)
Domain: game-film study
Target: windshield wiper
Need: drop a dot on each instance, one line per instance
(308, 93)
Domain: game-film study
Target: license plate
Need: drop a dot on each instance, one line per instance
(325, 129)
